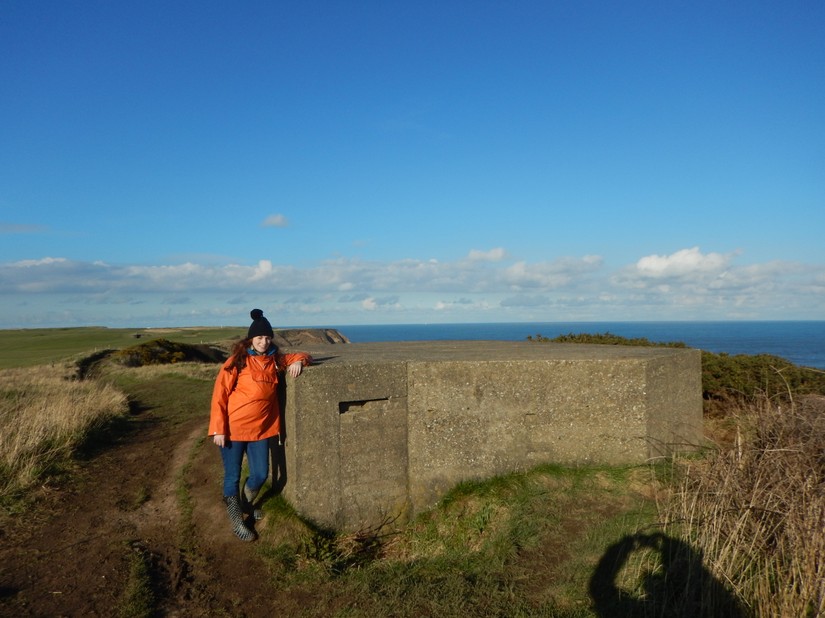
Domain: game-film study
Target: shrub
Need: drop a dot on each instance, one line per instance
(164, 352)
(751, 376)
(604, 339)
(726, 377)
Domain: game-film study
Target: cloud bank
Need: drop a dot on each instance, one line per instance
(486, 285)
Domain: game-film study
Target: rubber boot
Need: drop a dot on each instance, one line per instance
(233, 509)
(248, 502)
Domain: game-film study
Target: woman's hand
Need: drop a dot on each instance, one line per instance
(295, 369)
(219, 439)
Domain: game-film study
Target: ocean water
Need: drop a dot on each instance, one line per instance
(802, 342)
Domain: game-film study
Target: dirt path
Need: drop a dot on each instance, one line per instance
(71, 555)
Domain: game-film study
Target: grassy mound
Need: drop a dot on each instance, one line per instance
(164, 351)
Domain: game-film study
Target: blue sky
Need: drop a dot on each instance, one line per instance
(364, 162)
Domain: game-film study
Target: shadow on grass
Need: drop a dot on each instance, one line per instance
(113, 431)
(681, 587)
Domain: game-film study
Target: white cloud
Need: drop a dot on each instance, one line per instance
(549, 275)
(493, 255)
(46, 261)
(275, 221)
(686, 284)
(681, 263)
(350, 276)
(262, 271)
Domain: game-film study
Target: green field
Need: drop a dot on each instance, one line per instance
(42, 346)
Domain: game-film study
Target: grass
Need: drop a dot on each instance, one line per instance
(186, 533)
(518, 545)
(46, 417)
(33, 346)
(138, 598)
(755, 508)
(182, 389)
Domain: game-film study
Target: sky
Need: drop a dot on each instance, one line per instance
(373, 161)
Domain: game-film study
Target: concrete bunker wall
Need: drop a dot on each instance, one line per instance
(376, 432)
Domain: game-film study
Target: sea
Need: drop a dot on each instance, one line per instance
(801, 342)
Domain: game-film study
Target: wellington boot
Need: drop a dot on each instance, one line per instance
(233, 509)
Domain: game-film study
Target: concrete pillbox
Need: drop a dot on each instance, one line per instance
(376, 432)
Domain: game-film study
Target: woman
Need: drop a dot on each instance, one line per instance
(246, 414)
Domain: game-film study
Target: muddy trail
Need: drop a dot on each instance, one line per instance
(150, 497)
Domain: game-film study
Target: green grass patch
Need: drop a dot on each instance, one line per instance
(520, 544)
(182, 392)
(138, 599)
(184, 496)
(28, 347)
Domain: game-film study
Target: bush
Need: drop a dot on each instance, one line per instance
(750, 376)
(604, 339)
(724, 377)
(164, 352)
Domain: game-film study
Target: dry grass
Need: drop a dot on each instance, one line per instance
(147, 373)
(45, 415)
(756, 508)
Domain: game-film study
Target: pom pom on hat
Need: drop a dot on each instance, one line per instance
(260, 325)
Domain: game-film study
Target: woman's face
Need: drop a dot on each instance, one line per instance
(261, 343)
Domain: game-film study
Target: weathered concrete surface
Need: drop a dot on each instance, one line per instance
(378, 431)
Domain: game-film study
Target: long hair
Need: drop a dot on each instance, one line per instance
(238, 355)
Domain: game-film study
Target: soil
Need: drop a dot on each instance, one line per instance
(70, 554)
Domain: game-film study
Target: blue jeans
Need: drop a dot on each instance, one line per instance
(257, 456)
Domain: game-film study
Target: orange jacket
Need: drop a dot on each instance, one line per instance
(245, 405)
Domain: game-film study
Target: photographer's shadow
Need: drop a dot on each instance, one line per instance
(680, 588)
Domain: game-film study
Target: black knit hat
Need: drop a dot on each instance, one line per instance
(260, 325)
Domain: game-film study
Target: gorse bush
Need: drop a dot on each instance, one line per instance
(604, 339)
(165, 352)
(751, 376)
(726, 377)
(155, 352)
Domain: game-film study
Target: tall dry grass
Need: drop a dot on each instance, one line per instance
(44, 416)
(755, 508)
